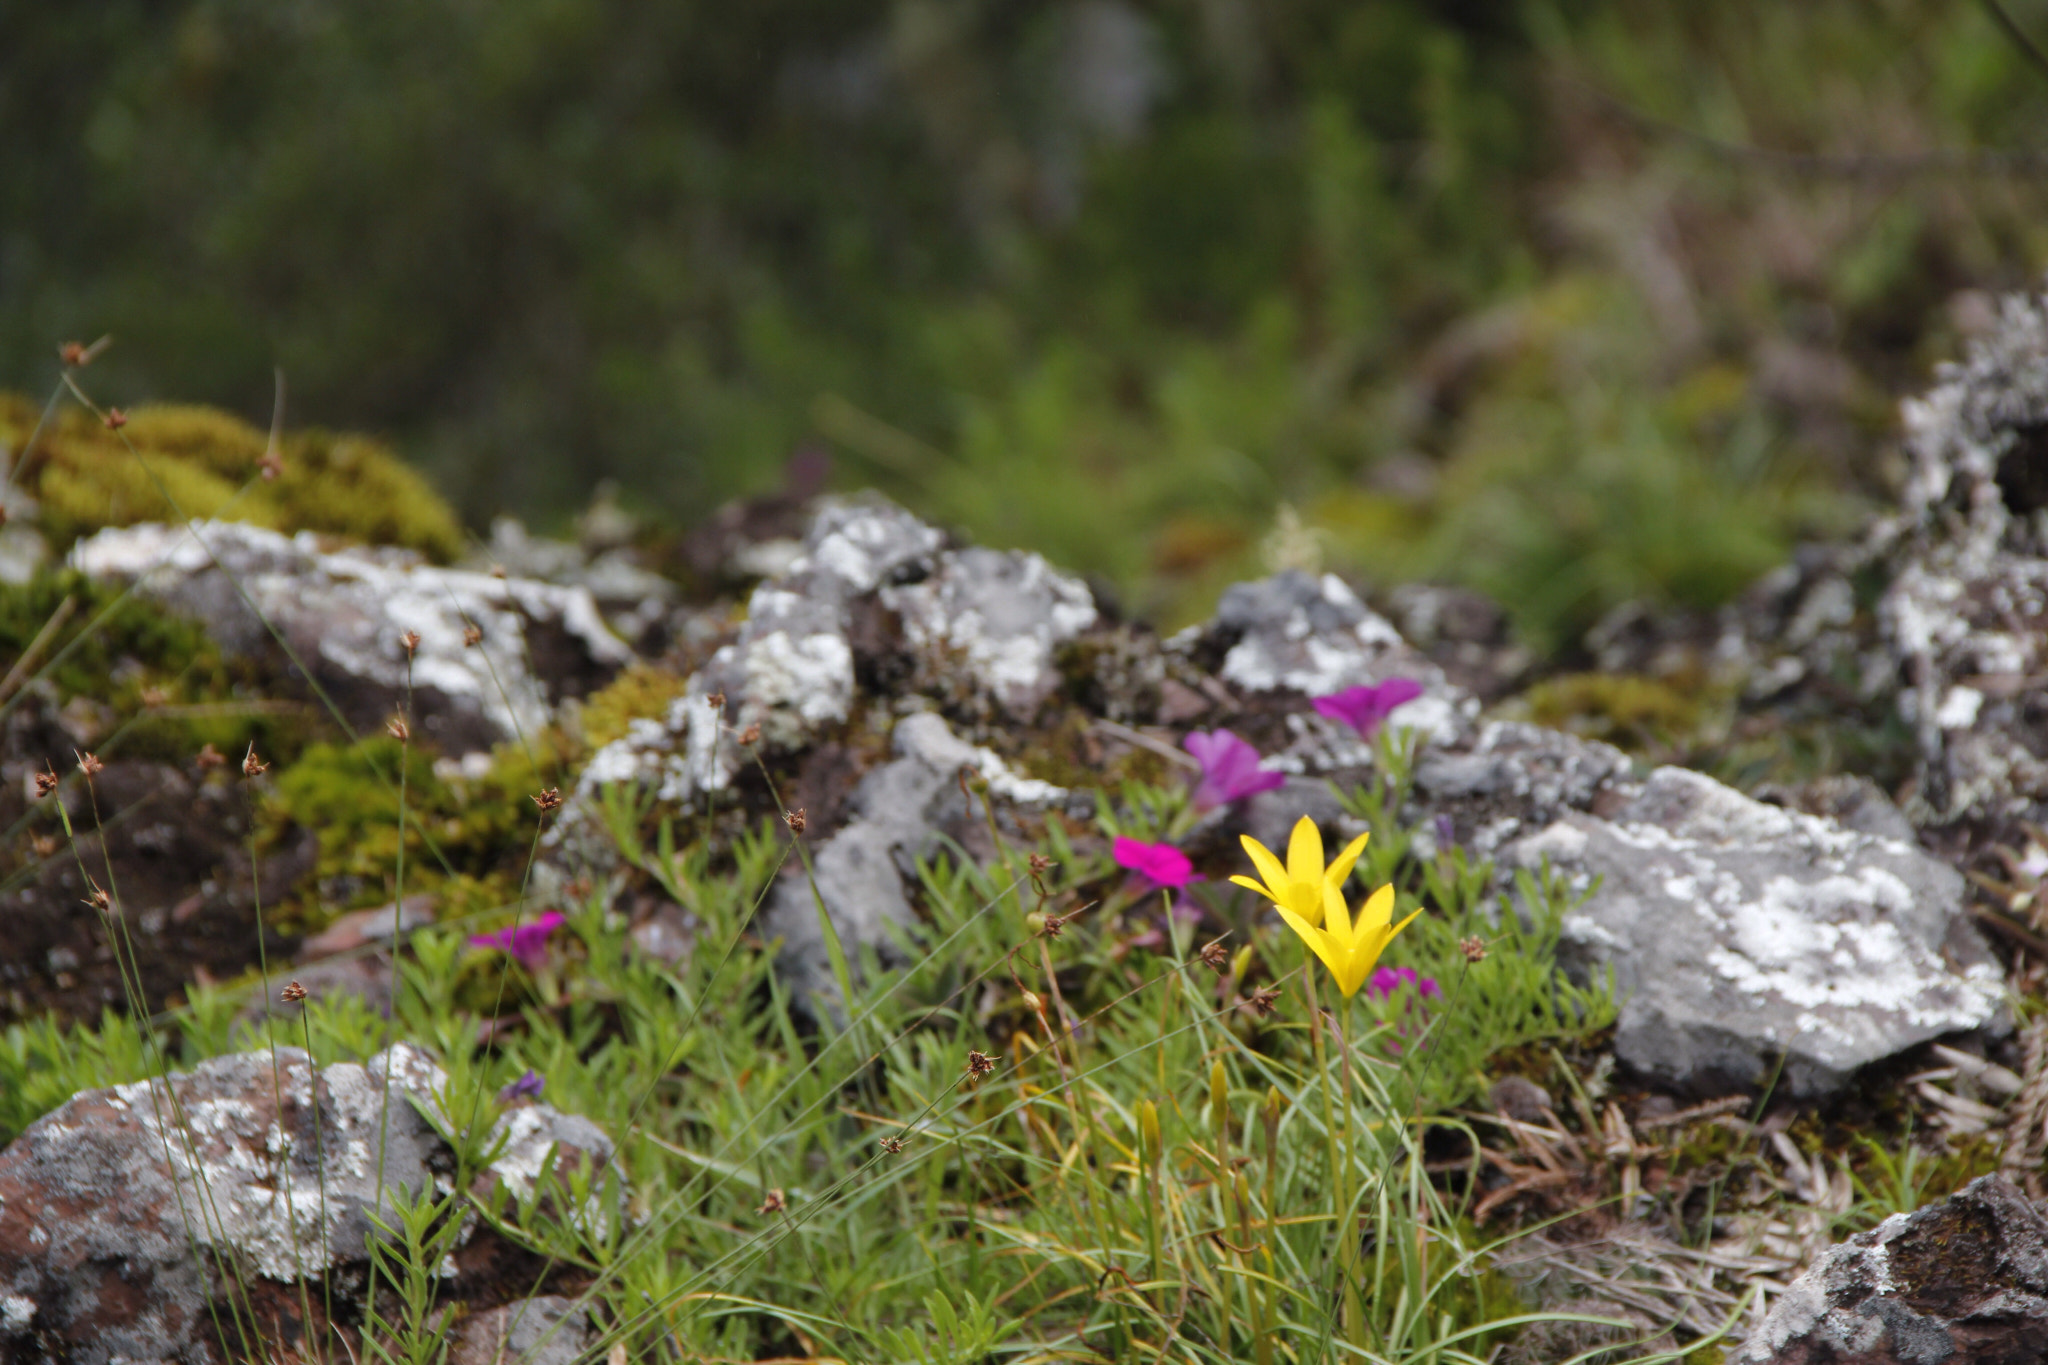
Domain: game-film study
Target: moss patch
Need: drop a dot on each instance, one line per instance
(87, 477)
(467, 840)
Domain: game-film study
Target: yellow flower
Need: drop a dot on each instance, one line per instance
(1350, 948)
(1299, 885)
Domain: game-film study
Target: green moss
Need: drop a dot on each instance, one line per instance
(641, 692)
(1626, 709)
(466, 841)
(87, 477)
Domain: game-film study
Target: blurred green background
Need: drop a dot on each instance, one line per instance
(1573, 303)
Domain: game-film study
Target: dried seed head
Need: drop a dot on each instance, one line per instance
(292, 994)
(1053, 924)
(115, 419)
(210, 758)
(251, 765)
(979, 1063)
(795, 820)
(272, 465)
(774, 1203)
(892, 1145)
(45, 845)
(1262, 1001)
(1039, 864)
(411, 641)
(472, 636)
(400, 731)
(89, 764)
(498, 571)
(716, 701)
(154, 696)
(751, 735)
(73, 354)
(1215, 957)
(550, 799)
(46, 782)
(1474, 948)
(95, 897)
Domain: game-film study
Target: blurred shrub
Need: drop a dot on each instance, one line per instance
(1090, 276)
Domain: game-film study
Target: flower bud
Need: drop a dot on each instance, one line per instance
(1149, 1143)
(1033, 1003)
(1219, 1099)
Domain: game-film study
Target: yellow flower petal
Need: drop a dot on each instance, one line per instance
(1305, 852)
(1378, 909)
(1318, 941)
(1340, 867)
(1268, 865)
(1336, 919)
(1248, 884)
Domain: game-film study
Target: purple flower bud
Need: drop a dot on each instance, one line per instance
(1363, 708)
(526, 942)
(1230, 769)
(527, 1087)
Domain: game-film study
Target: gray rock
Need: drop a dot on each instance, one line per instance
(1510, 778)
(1270, 817)
(549, 1330)
(900, 810)
(636, 603)
(999, 613)
(1965, 1279)
(342, 612)
(977, 622)
(1308, 635)
(1737, 931)
(117, 1209)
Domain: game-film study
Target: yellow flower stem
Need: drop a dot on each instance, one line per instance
(1347, 1217)
(1339, 1185)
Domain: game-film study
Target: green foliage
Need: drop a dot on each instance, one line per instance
(87, 477)
(1451, 279)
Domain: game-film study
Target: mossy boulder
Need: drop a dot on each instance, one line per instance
(201, 462)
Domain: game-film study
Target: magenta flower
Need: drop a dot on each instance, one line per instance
(1159, 864)
(1384, 982)
(1230, 769)
(527, 1087)
(1363, 708)
(526, 942)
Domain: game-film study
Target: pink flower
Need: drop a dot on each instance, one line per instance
(1230, 769)
(1160, 864)
(526, 942)
(1363, 708)
(1384, 982)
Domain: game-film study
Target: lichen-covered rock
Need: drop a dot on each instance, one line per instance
(119, 1210)
(342, 613)
(638, 604)
(875, 595)
(1738, 932)
(1965, 1279)
(1309, 635)
(549, 1330)
(1510, 778)
(1937, 616)
(1000, 615)
(862, 871)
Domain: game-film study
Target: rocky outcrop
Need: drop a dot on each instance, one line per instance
(1965, 1279)
(122, 1211)
(901, 811)
(1739, 934)
(340, 613)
